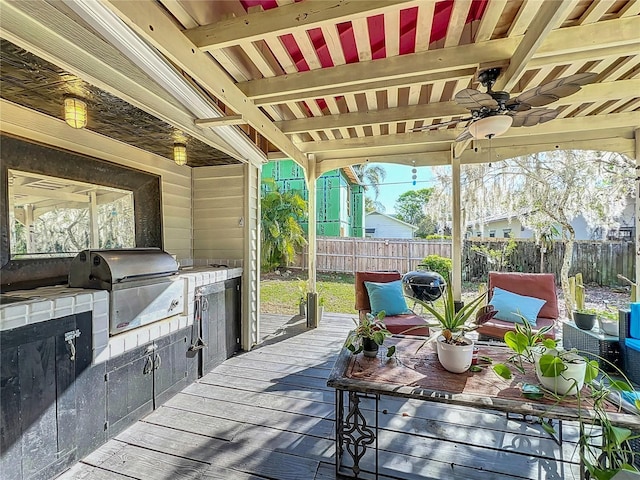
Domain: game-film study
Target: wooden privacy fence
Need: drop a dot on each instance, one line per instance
(599, 261)
(350, 255)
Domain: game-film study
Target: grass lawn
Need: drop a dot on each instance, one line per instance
(280, 293)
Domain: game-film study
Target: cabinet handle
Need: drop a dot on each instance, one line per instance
(148, 366)
(157, 361)
(72, 350)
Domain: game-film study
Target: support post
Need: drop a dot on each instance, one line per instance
(312, 297)
(456, 229)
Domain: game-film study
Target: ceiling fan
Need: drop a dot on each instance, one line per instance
(493, 113)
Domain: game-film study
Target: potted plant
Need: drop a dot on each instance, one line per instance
(603, 447)
(302, 297)
(608, 322)
(321, 303)
(368, 335)
(455, 351)
(584, 318)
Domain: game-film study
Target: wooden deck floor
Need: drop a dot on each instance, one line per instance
(268, 414)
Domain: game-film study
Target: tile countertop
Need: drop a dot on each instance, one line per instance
(46, 303)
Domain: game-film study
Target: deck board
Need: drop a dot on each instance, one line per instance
(268, 414)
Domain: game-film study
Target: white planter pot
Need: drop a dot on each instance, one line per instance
(608, 327)
(455, 358)
(569, 382)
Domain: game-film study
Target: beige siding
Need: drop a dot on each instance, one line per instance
(175, 180)
(218, 213)
(251, 278)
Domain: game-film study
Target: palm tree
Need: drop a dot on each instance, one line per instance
(280, 228)
(371, 176)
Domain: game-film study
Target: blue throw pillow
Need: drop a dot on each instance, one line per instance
(634, 321)
(509, 305)
(388, 297)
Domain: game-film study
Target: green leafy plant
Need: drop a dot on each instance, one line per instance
(603, 447)
(522, 340)
(438, 264)
(303, 289)
(455, 324)
(369, 327)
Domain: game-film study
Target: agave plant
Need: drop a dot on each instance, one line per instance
(454, 324)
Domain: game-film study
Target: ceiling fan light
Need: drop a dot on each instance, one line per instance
(75, 112)
(180, 153)
(489, 127)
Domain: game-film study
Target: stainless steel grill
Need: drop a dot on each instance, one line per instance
(142, 284)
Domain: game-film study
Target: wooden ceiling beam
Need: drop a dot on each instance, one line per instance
(547, 17)
(428, 112)
(400, 69)
(151, 22)
(375, 85)
(382, 141)
(421, 159)
(287, 19)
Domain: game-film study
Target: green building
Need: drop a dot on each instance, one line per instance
(339, 197)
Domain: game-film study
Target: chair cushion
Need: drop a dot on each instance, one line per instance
(399, 324)
(632, 343)
(538, 285)
(497, 328)
(509, 305)
(634, 321)
(387, 297)
(362, 297)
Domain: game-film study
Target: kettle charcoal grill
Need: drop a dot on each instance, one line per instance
(423, 285)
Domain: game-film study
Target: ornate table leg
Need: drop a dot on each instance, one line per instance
(354, 435)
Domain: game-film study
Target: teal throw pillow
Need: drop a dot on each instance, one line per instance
(388, 297)
(509, 305)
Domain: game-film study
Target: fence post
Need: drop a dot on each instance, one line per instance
(354, 267)
(409, 250)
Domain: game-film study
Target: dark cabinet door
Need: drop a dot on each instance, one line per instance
(129, 388)
(170, 364)
(213, 326)
(37, 394)
(232, 303)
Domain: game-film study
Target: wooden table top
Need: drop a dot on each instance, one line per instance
(418, 374)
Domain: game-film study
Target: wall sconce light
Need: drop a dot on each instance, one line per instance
(75, 112)
(180, 153)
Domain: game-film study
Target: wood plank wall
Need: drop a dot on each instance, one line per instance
(176, 180)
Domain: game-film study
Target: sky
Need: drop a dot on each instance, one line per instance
(398, 181)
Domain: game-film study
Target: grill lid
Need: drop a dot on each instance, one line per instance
(423, 285)
(102, 269)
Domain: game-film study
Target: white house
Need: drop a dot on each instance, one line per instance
(503, 226)
(379, 225)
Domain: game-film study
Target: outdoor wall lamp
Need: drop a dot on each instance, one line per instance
(75, 112)
(180, 153)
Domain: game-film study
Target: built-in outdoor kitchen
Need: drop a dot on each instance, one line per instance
(94, 340)
(81, 362)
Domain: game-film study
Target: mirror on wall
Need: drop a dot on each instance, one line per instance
(54, 216)
(54, 203)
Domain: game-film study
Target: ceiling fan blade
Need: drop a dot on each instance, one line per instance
(473, 99)
(438, 125)
(465, 135)
(552, 91)
(532, 117)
